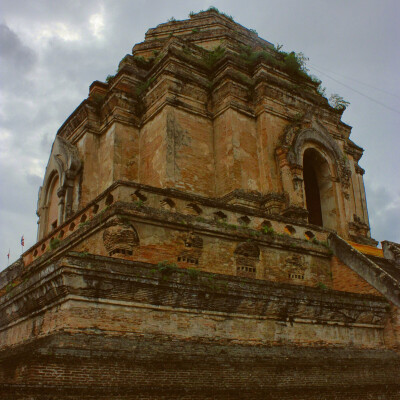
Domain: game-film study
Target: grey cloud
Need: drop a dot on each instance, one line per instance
(13, 52)
(18, 200)
(386, 225)
(73, 12)
(17, 63)
(384, 213)
(33, 180)
(14, 196)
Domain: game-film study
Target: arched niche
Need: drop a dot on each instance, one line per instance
(321, 139)
(55, 201)
(52, 203)
(319, 190)
(326, 165)
(120, 237)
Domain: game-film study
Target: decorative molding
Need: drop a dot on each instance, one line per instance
(66, 163)
(192, 251)
(359, 170)
(247, 257)
(357, 227)
(296, 213)
(310, 130)
(248, 249)
(193, 240)
(120, 237)
(274, 202)
(391, 251)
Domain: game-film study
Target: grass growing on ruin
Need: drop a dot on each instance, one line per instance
(139, 203)
(338, 102)
(193, 273)
(109, 78)
(269, 230)
(140, 89)
(11, 286)
(212, 8)
(294, 64)
(317, 242)
(210, 58)
(321, 286)
(166, 267)
(54, 243)
(223, 223)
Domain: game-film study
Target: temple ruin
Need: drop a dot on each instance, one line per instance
(203, 234)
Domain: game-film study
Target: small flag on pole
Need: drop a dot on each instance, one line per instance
(22, 241)
(8, 257)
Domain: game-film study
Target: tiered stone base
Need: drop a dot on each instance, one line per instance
(95, 366)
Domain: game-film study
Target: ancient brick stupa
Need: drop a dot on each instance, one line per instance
(203, 233)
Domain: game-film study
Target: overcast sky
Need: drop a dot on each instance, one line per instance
(51, 51)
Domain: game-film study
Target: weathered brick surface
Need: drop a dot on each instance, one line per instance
(209, 127)
(343, 278)
(183, 264)
(70, 366)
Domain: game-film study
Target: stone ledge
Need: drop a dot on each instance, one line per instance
(131, 347)
(97, 277)
(381, 279)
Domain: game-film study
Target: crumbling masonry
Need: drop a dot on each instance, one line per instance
(203, 233)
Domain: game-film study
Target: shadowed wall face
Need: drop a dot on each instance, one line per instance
(313, 198)
(318, 188)
(52, 216)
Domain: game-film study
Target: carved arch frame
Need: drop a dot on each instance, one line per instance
(64, 162)
(295, 142)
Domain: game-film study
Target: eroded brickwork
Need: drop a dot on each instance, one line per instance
(287, 373)
(348, 281)
(177, 254)
(102, 326)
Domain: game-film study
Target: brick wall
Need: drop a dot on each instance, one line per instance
(101, 367)
(346, 280)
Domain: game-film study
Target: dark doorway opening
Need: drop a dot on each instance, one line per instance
(319, 190)
(313, 198)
